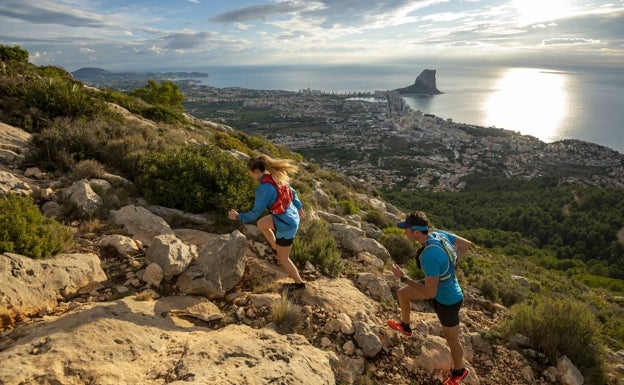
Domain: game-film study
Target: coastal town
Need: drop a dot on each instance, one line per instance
(378, 139)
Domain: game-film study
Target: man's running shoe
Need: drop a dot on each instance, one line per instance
(456, 380)
(400, 326)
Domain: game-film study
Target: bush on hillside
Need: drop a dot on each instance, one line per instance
(166, 94)
(32, 97)
(560, 327)
(400, 248)
(196, 179)
(314, 244)
(377, 218)
(347, 207)
(24, 230)
(117, 145)
(14, 53)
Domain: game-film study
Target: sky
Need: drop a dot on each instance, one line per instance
(127, 35)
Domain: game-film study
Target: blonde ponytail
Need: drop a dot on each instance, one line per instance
(278, 168)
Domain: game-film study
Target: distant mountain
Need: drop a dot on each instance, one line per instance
(99, 75)
(425, 83)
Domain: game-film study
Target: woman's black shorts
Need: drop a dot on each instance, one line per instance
(284, 241)
(447, 314)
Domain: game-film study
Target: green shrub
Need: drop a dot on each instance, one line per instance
(24, 230)
(230, 142)
(376, 217)
(87, 169)
(400, 248)
(559, 327)
(413, 271)
(13, 53)
(347, 207)
(166, 94)
(196, 179)
(162, 114)
(314, 244)
(116, 145)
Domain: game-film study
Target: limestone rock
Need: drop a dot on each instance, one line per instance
(153, 274)
(219, 267)
(568, 373)
(29, 286)
(15, 144)
(321, 197)
(424, 84)
(170, 253)
(140, 222)
(376, 286)
(355, 240)
(130, 342)
(9, 183)
(338, 295)
(366, 335)
(81, 196)
(122, 244)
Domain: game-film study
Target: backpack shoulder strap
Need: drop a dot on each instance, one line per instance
(443, 244)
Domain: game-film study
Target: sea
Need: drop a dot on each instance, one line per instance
(550, 104)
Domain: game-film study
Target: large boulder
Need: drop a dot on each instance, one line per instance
(170, 253)
(140, 222)
(81, 196)
(29, 286)
(218, 268)
(355, 240)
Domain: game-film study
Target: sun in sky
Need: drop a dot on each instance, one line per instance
(537, 11)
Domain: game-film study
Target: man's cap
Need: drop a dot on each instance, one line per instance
(413, 222)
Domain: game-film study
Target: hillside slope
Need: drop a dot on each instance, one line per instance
(153, 294)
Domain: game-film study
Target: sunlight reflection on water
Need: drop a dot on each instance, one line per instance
(530, 98)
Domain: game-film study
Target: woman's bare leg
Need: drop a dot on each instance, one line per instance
(286, 263)
(266, 226)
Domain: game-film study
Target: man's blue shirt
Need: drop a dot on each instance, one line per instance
(435, 262)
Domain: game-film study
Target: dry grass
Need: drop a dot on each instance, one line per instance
(286, 315)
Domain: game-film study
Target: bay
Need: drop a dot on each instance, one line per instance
(548, 103)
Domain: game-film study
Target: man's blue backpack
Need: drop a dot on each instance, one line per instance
(441, 242)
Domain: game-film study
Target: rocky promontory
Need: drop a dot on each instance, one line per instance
(425, 84)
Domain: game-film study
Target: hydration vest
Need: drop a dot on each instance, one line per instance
(441, 242)
(284, 195)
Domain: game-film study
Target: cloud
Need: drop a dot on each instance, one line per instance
(201, 41)
(185, 41)
(48, 12)
(262, 11)
(569, 41)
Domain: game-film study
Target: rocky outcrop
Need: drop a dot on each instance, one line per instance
(131, 342)
(29, 286)
(14, 144)
(425, 84)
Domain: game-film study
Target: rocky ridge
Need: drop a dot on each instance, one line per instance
(140, 301)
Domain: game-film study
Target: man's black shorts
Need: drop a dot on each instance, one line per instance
(447, 314)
